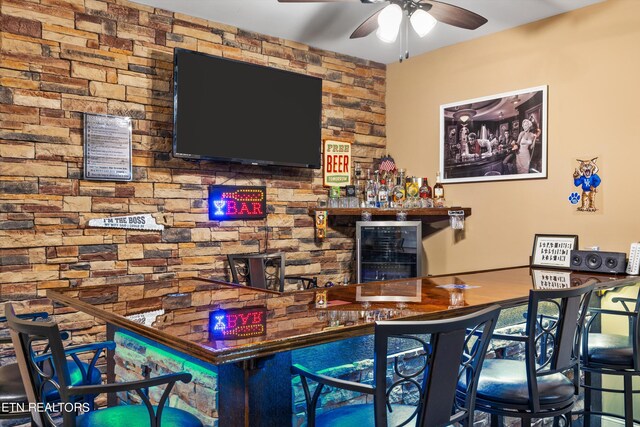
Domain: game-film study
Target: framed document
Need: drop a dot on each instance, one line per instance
(553, 250)
(107, 148)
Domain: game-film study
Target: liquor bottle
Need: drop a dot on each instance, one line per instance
(383, 195)
(376, 186)
(370, 192)
(438, 189)
(357, 173)
(425, 190)
(398, 193)
(412, 190)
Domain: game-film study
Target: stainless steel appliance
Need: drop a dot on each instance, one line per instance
(388, 250)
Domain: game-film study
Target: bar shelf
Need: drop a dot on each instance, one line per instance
(426, 214)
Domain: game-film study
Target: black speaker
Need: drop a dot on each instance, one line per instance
(599, 262)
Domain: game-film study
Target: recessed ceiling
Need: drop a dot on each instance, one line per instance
(329, 25)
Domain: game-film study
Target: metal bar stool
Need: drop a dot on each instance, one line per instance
(538, 386)
(454, 352)
(48, 372)
(612, 354)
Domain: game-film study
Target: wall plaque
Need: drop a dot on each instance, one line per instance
(336, 163)
(130, 222)
(107, 148)
(237, 202)
(237, 323)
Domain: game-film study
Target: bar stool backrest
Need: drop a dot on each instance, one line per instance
(554, 324)
(26, 336)
(264, 271)
(630, 308)
(456, 347)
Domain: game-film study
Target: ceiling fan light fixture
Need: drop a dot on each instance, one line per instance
(422, 22)
(389, 21)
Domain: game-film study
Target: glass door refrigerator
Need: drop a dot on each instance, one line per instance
(387, 250)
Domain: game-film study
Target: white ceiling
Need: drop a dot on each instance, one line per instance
(329, 25)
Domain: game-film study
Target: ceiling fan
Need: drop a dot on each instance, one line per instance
(422, 14)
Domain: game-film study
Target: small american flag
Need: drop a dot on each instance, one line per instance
(387, 164)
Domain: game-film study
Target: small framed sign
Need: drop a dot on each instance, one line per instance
(336, 163)
(553, 250)
(107, 148)
(227, 202)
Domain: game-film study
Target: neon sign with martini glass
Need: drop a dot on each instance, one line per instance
(227, 202)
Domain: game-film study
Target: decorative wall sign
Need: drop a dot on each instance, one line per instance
(237, 202)
(553, 250)
(336, 163)
(107, 148)
(130, 222)
(237, 323)
(586, 177)
(476, 144)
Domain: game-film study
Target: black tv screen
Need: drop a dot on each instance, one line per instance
(239, 112)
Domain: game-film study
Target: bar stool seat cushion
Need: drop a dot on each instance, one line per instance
(12, 389)
(505, 382)
(135, 415)
(362, 416)
(610, 349)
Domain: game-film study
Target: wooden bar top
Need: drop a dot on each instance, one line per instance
(293, 321)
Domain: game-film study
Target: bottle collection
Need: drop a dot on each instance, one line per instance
(396, 190)
(386, 188)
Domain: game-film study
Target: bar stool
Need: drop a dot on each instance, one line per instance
(612, 354)
(265, 271)
(537, 387)
(38, 381)
(449, 355)
(12, 391)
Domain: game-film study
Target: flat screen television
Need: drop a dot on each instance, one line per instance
(238, 112)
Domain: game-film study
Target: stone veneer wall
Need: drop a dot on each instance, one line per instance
(61, 58)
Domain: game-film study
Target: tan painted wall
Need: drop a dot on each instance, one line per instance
(590, 58)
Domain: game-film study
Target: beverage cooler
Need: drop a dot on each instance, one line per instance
(388, 250)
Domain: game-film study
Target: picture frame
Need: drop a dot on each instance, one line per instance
(553, 250)
(480, 151)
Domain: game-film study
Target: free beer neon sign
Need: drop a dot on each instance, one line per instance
(237, 202)
(237, 323)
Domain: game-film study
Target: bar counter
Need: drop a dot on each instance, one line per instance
(293, 321)
(245, 368)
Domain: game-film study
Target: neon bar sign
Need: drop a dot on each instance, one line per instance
(237, 202)
(237, 323)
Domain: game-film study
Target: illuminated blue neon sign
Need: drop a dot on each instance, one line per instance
(228, 202)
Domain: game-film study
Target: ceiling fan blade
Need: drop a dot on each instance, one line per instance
(454, 15)
(367, 27)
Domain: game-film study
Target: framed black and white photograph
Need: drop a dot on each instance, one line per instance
(553, 250)
(477, 145)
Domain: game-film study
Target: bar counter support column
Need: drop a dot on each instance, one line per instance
(111, 365)
(255, 392)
